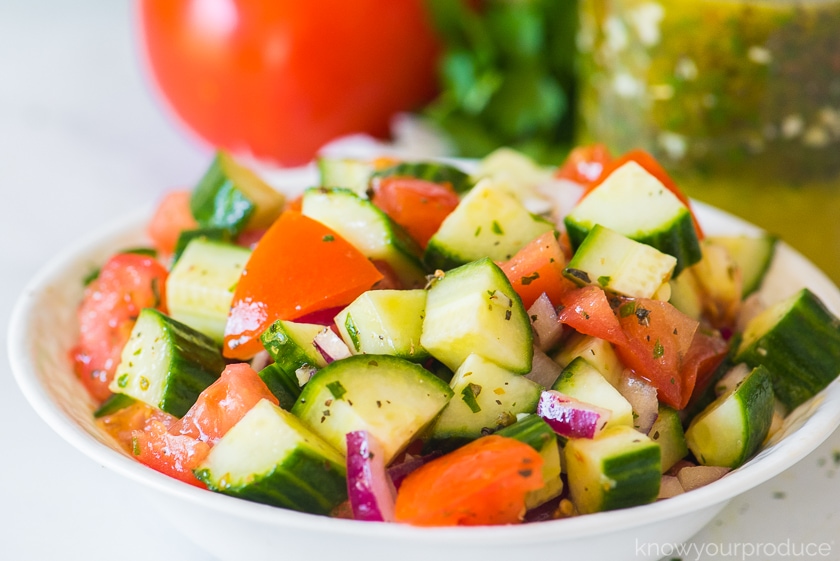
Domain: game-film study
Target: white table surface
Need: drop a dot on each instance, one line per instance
(83, 139)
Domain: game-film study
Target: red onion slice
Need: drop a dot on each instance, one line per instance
(330, 345)
(571, 418)
(547, 328)
(398, 472)
(369, 488)
(544, 370)
(642, 397)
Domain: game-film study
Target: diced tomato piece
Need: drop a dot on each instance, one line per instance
(126, 284)
(222, 404)
(707, 352)
(585, 164)
(658, 340)
(655, 169)
(249, 238)
(295, 204)
(483, 482)
(299, 267)
(588, 311)
(172, 216)
(122, 423)
(537, 268)
(417, 205)
(175, 455)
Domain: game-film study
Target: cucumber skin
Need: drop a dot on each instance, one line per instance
(646, 481)
(330, 485)
(802, 353)
(217, 203)
(532, 430)
(116, 402)
(209, 233)
(677, 238)
(434, 172)
(283, 385)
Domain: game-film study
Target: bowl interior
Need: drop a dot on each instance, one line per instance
(43, 330)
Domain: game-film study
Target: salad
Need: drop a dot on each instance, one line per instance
(418, 343)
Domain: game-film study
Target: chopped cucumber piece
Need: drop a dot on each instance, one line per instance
(166, 364)
(270, 457)
(200, 287)
(349, 173)
(113, 404)
(233, 197)
(667, 431)
(798, 340)
(634, 203)
(474, 309)
(753, 255)
(620, 468)
(729, 431)
(284, 386)
(536, 433)
(368, 229)
(485, 398)
(435, 172)
(291, 344)
(488, 222)
(391, 398)
(616, 263)
(585, 383)
(385, 322)
(186, 236)
(597, 352)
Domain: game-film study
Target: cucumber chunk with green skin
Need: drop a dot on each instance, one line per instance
(536, 433)
(798, 340)
(635, 204)
(584, 382)
(166, 363)
(618, 469)
(368, 229)
(385, 322)
(488, 222)
(113, 404)
(474, 309)
(667, 431)
(270, 457)
(233, 197)
(200, 287)
(186, 236)
(284, 385)
(349, 173)
(753, 254)
(485, 398)
(435, 172)
(391, 398)
(291, 344)
(597, 352)
(730, 430)
(618, 264)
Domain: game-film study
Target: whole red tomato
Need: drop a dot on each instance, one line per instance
(279, 78)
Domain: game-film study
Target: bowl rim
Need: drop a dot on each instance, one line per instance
(812, 431)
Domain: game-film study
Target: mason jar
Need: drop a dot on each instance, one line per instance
(738, 99)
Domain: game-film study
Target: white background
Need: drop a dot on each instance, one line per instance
(82, 140)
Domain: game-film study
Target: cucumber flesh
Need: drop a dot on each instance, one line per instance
(583, 382)
(349, 173)
(597, 352)
(270, 457)
(753, 255)
(391, 398)
(667, 431)
(166, 364)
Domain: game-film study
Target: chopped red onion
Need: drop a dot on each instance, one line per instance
(571, 418)
(399, 472)
(692, 477)
(547, 329)
(320, 317)
(669, 487)
(642, 397)
(544, 371)
(261, 360)
(330, 345)
(369, 488)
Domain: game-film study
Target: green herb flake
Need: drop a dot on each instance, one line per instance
(477, 231)
(836, 457)
(497, 228)
(328, 238)
(144, 383)
(530, 278)
(135, 446)
(336, 389)
(122, 381)
(469, 394)
(582, 276)
(353, 332)
(90, 277)
(658, 349)
(604, 280)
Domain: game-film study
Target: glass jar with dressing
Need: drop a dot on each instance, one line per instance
(739, 99)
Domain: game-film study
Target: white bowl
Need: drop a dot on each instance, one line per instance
(43, 329)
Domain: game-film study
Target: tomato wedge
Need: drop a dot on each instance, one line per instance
(223, 404)
(707, 351)
(299, 266)
(588, 311)
(127, 283)
(537, 268)
(653, 167)
(481, 483)
(172, 216)
(658, 341)
(585, 164)
(170, 454)
(417, 205)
